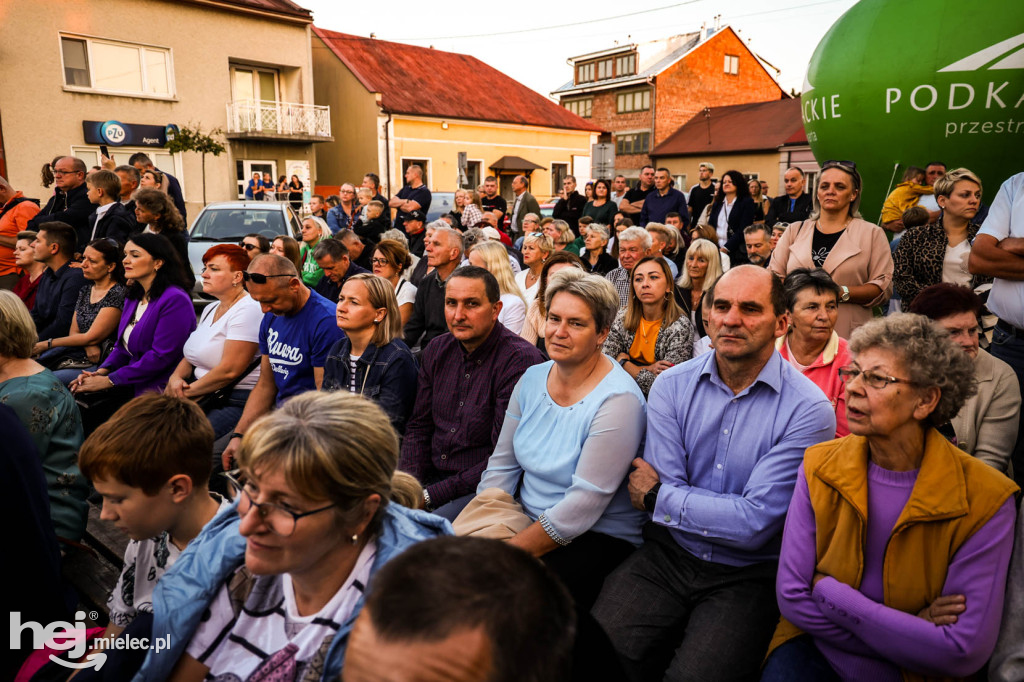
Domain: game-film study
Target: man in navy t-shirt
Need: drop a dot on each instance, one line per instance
(414, 196)
(298, 329)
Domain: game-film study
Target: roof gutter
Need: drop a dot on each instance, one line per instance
(387, 150)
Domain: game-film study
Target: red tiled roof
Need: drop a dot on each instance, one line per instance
(426, 82)
(737, 128)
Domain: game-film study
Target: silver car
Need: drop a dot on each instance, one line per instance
(227, 222)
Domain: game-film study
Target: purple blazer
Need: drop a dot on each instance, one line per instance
(155, 346)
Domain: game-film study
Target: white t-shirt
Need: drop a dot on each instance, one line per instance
(144, 562)
(928, 201)
(531, 292)
(513, 313)
(231, 640)
(405, 293)
(205, 346)
(954, 265)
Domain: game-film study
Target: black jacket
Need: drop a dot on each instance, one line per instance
(117, 224)
(570, 211)
(427, 319)
(779, 210)
(55, 301)
(371, 230)
(740, 217)
(73, 208)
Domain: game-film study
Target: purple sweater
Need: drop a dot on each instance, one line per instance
(155, 345)
(861, 637)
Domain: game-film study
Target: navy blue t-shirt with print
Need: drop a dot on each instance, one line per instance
(296, 344)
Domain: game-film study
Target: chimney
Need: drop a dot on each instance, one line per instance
(703, 32)
(718, 22)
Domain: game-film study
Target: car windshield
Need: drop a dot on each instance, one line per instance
(441, 203)
(234, 223)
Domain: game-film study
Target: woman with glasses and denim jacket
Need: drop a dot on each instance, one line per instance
(371, 359)
(854, 252)
(224, 345)
(273, 587)
(896, 545)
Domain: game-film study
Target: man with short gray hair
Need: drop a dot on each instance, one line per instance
(523, 205)
(335, 259)
(443, 253)
(70, 203)
(634, 244)
(759, 244)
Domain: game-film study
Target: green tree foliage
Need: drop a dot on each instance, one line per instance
(191, 138)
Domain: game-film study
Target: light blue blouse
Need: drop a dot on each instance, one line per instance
(573, 460)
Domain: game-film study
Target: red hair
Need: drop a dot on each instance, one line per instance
(235, 255)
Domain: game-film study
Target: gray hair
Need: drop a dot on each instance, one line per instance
(472, 237)
(397, 235)
(759, 227)
(597, 292)
(438, 225)
(929, 356)
(599, 230)
(636, 234)
(532, 216)
(454, 236)
(667, 234)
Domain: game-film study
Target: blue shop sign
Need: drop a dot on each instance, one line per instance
(117, 134)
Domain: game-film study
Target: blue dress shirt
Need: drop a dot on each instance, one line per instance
(728, 463)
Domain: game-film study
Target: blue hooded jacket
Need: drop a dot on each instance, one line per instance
(187, 589)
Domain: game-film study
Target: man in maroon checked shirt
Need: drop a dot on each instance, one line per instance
(466, 378)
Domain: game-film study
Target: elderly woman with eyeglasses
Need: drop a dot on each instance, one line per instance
(277, 586)
(854, 252)
(896, 545)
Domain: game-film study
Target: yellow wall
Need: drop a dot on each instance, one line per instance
(353, 120)
(41, 119)
(765, 164)
(426, 138)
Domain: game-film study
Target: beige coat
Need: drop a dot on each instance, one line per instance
(861, 256)
(986, 426)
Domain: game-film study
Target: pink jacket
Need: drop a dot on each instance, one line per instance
(824, 372)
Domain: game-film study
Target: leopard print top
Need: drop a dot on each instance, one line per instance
(918, 260)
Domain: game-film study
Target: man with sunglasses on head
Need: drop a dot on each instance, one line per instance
(298, 329)
(793, 206)
(254, 244)
(70, 201)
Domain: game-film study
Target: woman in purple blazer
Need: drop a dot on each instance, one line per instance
(157, 320)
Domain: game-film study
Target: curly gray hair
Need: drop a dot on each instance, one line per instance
(928, 354)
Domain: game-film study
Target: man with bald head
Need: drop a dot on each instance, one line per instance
(523, 204)
(793, 206)
(726, 433)
(298, 329)
(70, 202)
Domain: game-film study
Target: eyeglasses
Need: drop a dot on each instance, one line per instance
(876, 381)
(279, 520)
(66, 172)
(832, 163)
(248, 247)
(379, 261)
(259, 278)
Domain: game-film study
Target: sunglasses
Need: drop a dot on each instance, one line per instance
(259, 278)
(832, 163)
(247, 247)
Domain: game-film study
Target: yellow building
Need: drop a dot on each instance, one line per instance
(760, 140)
(393, 105)
(80, 74)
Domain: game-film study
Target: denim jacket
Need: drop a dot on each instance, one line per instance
(385, 375)
(189, 587)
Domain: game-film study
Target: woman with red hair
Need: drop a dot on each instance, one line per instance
(224, 345)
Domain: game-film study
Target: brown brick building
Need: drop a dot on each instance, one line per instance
(642, 93)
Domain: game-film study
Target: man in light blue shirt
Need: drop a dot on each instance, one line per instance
(998, 251)
(726, 433)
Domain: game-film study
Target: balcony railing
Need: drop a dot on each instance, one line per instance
(279, 120)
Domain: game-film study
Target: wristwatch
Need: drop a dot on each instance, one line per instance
(623, 361)
(235, 434)
(651, 498)
(845, 298)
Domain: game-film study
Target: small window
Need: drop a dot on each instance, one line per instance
(625, 66)
(581, 107)
(604, 69)
(119, 68)
(585, 73)
(424, 164)
(473, 174)
(639, 100)
(633, 143)
(732, 64)
(558, 173)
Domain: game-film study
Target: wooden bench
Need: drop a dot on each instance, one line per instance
(94, 568)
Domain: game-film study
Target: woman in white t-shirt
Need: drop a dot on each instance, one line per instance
(225, 343)
(390, 259)
(493, 257)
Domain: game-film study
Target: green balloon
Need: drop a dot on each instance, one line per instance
(894, 84)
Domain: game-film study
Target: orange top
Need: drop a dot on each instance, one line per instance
(642, 350)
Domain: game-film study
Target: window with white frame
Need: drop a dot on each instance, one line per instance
(117, 68)
(581, 107)
(639, 100)
(732, 64)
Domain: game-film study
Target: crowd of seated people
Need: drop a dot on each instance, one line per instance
(691, 451)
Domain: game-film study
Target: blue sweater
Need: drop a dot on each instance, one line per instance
(656, 207)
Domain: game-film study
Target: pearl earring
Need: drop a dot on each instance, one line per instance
(355, 538)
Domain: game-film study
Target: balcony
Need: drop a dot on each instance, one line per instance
(278, 121)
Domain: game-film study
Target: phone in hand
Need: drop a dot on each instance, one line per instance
(103, 151)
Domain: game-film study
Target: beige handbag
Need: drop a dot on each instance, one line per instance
(492, 514)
